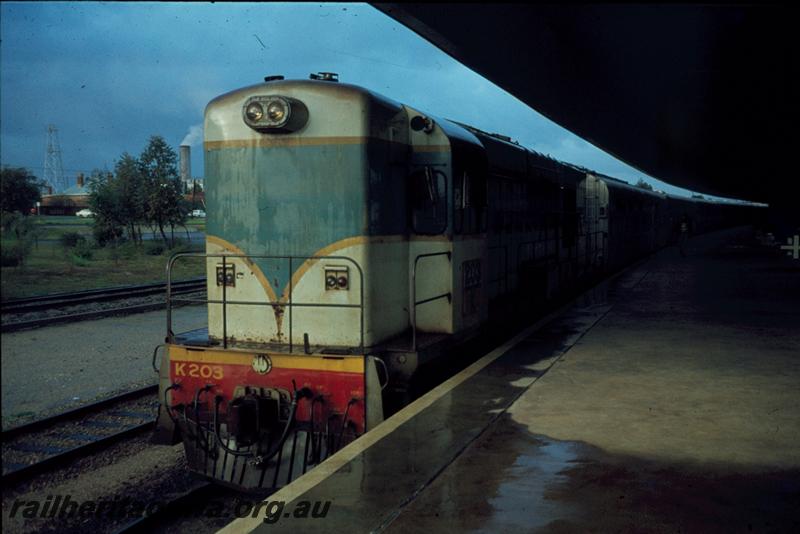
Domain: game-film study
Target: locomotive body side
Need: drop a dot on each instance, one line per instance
(547, 232)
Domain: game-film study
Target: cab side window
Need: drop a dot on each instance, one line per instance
(428, 197)
(469, 203)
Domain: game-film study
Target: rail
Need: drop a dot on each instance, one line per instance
(55, 300)
(415, 302)
(275, 305)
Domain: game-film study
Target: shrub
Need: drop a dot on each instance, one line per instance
(106, 233)
(17, 225)
(14, 252)
(79, 261)
(19, 233)
(128, 250)
(186, 246)
(8, 221)
(9, 255)
(154, 249)
(71, 239)
(83, 250)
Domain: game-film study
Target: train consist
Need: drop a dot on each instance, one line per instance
(350, 241)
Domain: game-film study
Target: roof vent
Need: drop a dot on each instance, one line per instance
(502, 137)
(273, 78)
(325, 76)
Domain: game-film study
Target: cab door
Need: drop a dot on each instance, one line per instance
(429, 243)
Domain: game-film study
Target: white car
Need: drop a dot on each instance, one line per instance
(85, 212)
(198, 213)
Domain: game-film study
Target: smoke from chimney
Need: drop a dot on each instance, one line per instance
(186, 163)
(194, 136)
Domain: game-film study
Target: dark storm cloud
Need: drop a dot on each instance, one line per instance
(110, 75)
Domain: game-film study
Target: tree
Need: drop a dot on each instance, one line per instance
(162, 186)
(108, 205)
(19, 190)
(130, 186)
(644, 185)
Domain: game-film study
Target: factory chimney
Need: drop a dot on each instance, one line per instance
(186, 164)
(80, 179)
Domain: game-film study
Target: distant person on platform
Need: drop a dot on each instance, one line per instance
(684, 234)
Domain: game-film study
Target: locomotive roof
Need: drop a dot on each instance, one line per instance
(455, 130)
(468, 134)
(345, 89)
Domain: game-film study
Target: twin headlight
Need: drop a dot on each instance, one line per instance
(273, 114)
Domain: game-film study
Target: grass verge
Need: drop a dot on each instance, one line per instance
(52, 269)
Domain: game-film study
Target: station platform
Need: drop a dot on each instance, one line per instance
(665, 400)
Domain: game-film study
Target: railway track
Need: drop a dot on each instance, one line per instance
(53, 442)
(56, 300)
(50, 305)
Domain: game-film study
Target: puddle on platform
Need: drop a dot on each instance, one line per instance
(520, 502)
(512, 481)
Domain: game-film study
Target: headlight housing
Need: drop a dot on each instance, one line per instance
(274, 114)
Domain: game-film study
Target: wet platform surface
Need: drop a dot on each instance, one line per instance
(667, 400)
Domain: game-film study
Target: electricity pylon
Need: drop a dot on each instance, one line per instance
(53, 169)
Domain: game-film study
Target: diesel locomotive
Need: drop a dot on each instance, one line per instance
(351, 240)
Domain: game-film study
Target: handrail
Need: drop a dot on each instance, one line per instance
(290, 303)
(414, 301)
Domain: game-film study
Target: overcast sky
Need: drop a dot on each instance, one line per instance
(109, 76)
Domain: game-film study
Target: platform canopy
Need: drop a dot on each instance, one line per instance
(702, 97)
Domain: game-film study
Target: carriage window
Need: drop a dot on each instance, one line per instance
(428, 201)
(571, 224)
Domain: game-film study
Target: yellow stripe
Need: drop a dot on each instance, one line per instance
(324, 251)
(336, 246)
(444, 238)
(285, 141)
(430, 148)
(338, 364)
(218, 241)
(304, 267)
(327, 250)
